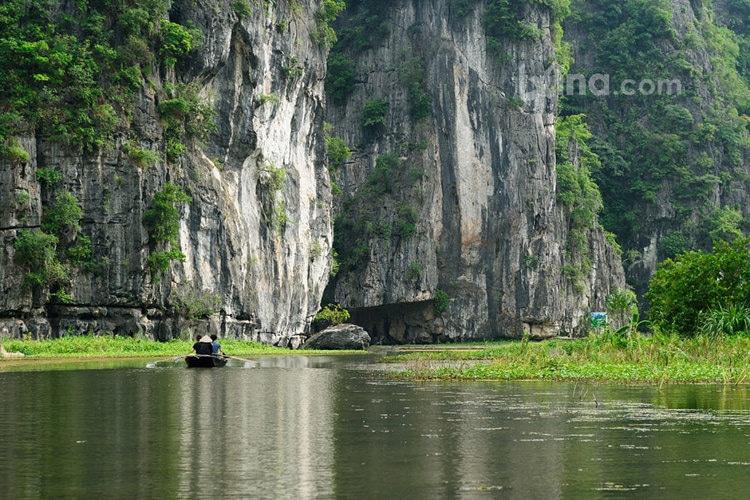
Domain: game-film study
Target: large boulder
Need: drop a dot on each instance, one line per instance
(339, 337)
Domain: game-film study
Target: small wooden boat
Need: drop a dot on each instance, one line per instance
(205, 361)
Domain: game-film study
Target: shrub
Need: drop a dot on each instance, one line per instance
(333, 313)
(15, 153)
(720, 321)
(329, 11)
(188, 117)
(36, 251)
(268, 98)
(621, 305)
(64, 216)
(699, 281)
(163, 223)
(406, 221)
(440, 301)
(374, 116)
(163, 218)
(340, 76)
(460, 8)
(158, 262)
(338, 152)
(48, 175)
(504, 19)
(176, 40)
(197, 305)
(141, 158)
(412, 74)
(673, 244)
(81, 251)
(414, 272)
(242, 8)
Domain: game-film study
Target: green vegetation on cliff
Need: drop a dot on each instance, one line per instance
(163, 223)
(577, 191)
(71, 71)
(670, 126)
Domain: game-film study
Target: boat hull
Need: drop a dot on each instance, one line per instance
(203, 361)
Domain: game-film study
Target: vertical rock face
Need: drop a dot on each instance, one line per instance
(476, 178)
(676, 141)
(257, 232)
(449, 227)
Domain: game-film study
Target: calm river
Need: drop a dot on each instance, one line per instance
(334, 427)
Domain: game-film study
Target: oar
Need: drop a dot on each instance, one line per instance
(241, 359)
(152, 364)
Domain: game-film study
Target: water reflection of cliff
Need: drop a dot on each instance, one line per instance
(256, 433)
(303, 428)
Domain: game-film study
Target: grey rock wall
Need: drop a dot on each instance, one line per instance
(490, 231)
(476, 177)
(262, 257)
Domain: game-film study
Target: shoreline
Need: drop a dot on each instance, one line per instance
(604, 357)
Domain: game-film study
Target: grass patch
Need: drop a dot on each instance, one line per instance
(126, 347)
(638, 359)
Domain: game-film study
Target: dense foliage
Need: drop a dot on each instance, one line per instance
(71, 71)
(699, 285)
(680, 148)
(333, 314)
(51, 252)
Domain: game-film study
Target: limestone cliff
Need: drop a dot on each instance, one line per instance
(671, 124)
(256, 234)
(208, 204)
(458, 201)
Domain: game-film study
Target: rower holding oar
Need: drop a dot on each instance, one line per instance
(215, 346)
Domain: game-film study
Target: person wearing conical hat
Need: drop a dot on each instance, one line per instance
(202, 345)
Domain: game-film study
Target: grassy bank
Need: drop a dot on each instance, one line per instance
(606, 357)
(121, 347)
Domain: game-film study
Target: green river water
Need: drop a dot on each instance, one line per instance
(334, 427)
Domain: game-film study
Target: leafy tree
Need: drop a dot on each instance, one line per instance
(696, 282)
(334, 314)
(340, 77)
(374, 116)
(64, 216)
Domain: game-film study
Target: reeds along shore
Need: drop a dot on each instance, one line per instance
(605, 357)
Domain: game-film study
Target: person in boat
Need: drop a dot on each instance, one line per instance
(202, 346)
(215, 346)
